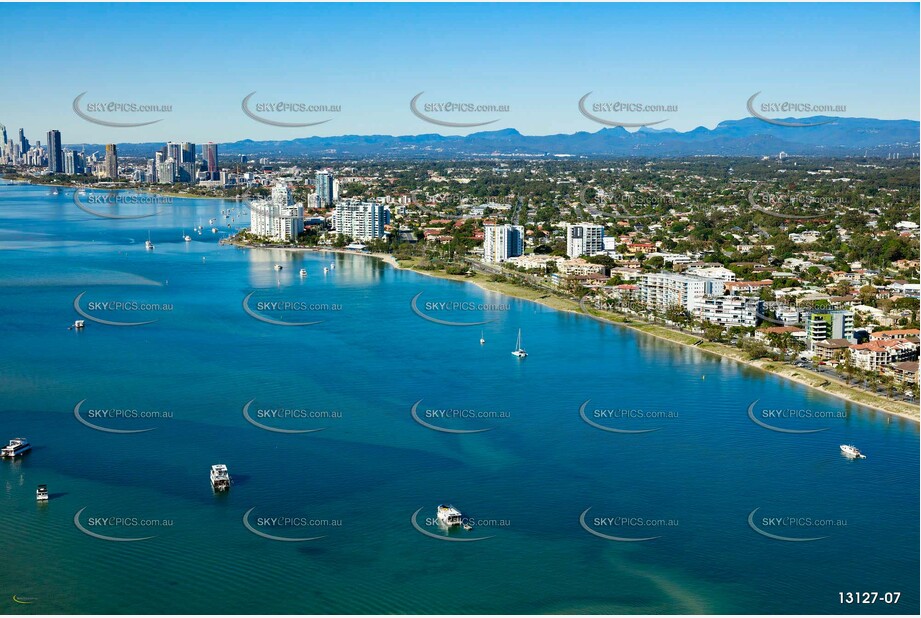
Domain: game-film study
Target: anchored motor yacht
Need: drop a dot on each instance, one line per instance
(15, 448)
(220, 479)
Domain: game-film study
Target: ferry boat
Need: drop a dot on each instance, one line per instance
(220, 479)
(449, 516)
(15, 448)
(303, 272)
(41, 494)
(852, 451)
(519, 351)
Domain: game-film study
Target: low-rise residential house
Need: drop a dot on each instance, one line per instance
(905, 333)
(578, 266)
(829, 349)
(764, 334)
(736, 288)
(905, 372)
(876, 354)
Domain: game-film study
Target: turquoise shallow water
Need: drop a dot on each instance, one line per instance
(359, 481)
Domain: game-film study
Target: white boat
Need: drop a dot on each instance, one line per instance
(449, 516)
(186, 237)
(15, 448)
(220, 478)
(332, 266)
(214, 230)
(325, 270)
(303, 272)
(41, 494)
(278, 267)
(852, 451)
(78, 324)
(519, 351)
(482, 340)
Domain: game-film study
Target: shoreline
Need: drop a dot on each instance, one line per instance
(827, 385)
(78, 187)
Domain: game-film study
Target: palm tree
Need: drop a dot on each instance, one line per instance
(873, 381)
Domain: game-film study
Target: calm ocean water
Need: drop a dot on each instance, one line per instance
(692, 484)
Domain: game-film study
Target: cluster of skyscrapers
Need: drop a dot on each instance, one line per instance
(54, 157)
(280, 219)
(177, 162)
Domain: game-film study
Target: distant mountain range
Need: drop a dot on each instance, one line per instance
(745, 137)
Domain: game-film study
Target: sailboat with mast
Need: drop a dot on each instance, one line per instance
(519, 351)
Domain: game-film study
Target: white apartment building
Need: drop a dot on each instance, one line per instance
(584, 239)
(663, 290)
(277, 218)
(712, 272)
(361, 220)
(730, 310)
(501, 242)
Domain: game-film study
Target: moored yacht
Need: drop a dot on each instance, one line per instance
(15, 448)
(852, 451)
(449, 516)
(278, 267)
(220, 478)
(303, 272)
(519, 351)
(41, 494)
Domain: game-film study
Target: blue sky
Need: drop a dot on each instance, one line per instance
(538, 59)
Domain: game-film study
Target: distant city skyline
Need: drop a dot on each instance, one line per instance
(533, 62)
